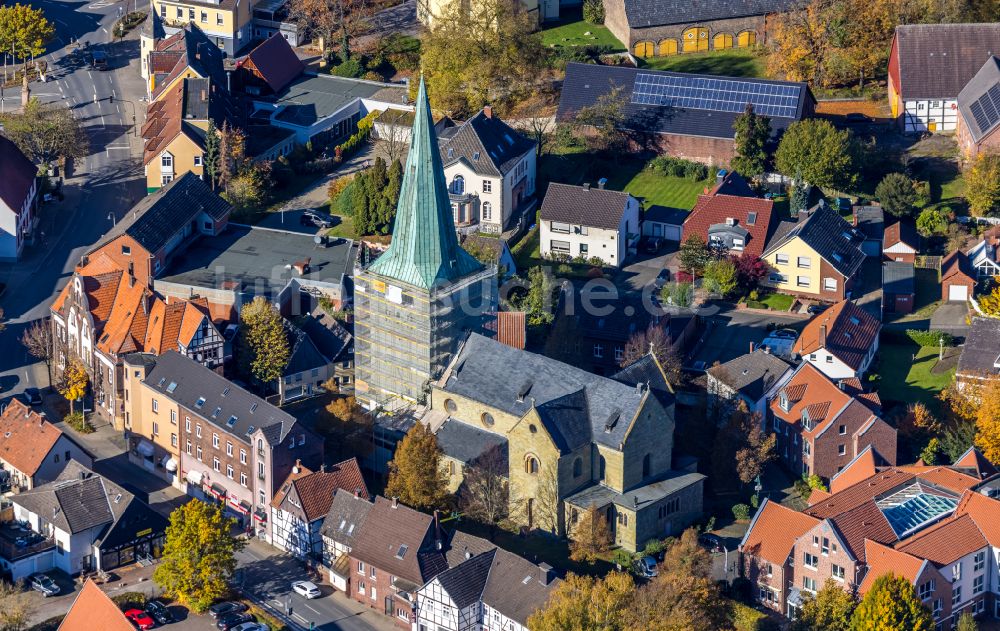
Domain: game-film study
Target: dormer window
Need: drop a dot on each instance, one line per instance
(806, 421)
(783, 401)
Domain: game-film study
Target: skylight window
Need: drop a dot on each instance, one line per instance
(527, 579)
(232, 420)
(253, 408)
(226, 391)
(402, 551)
(216, 412)
(350, 530)
(172, 386)
(855, 321)
(343, 522)
(199, 403)
(162, 381)
(475, 155)
(250, 430)
(751, 219)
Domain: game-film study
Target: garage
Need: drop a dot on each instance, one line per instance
(664, 223)
(958, 292)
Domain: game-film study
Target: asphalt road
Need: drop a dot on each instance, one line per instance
(99, 189)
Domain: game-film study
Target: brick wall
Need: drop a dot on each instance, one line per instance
(711, 151)
(361, 590)
(822, 543)
(756, 571)
(882, 437)
(732, 26)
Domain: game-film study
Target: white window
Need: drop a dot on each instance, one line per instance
(487, 186)
(810, 560)
(156, 428)
(619, 353)
(778, 278)
(956, 594)
(229, 471)
(173, 416)
(243, 478)
(361, 568)
(807, 447)
(199, 453)
(804, 262)
(188, 445)
(925, 590)
(204, 16)
(197, 430)
(802, 281)
(216, 464)
(956, 571)
(458, 185)
(167, 161)
(837, 572)
(215, 440)
(229, 448)
(598, 350)
(979, 561)
(197, 161)
(809, 584)
(558, 226)
(187, 423)
(487, 211)
(830, 284)
(781, 259)
(243, 456)
(173, 440)
(841, 450)
(218, 19)
(559, 247)
(977, 585)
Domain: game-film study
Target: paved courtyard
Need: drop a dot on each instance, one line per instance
(729, 333)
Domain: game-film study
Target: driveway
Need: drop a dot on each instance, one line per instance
(728, 334)
(950, 318)
(642, 271)
(868, 289)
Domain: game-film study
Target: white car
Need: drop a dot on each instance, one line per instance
(306, 589)
(251, 626)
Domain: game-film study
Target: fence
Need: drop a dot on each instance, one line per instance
(928, 262)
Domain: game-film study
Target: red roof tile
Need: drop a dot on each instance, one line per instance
(25, 437)
(276, 62)
(884, 560)
(985, 511)
(773, 532)
(845, 330)
(712, 209)
(945, 542)
(92, 610)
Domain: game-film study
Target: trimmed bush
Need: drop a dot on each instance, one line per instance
(744, 618)
(741, 512)
(77, 421)
(678, 167)
(930, 338)
(593, 11)
(130, 600)
(351, 69)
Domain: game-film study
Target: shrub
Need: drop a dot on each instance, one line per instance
(744, 618)
(930, 338)
(338, 186)
(623, 558)
(741, 512)
(265, 618)
(344, 203)
(593, 11)
(678, 167)
(679, 294)
(351, 69)
(130, 600)
(371, 75)
(77, 421)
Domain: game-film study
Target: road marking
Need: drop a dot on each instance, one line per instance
(104, 30)
(300, 617)
(311, 609)
(123, 147)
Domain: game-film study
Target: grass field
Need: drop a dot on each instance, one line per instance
(735, 62)
(570, 32)
(660, 190)
(778, 302)
(908, 379)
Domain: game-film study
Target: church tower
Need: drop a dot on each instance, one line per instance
(416, 303)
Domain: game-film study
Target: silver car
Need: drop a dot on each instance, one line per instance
(45, 585)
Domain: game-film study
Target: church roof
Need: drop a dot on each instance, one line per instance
(424, 250)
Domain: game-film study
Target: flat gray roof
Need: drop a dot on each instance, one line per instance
(311, 98)
(247, 258)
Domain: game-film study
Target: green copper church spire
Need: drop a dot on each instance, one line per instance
(424, 250)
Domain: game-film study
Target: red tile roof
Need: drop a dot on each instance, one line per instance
(92, 610)
(900, 232)
(857, 470)
(975, 460)
(811, 391)
(714, 209)
(985, 511)
(946, 542)
(845, 330)
(773, 532)
(25, 437)
(884, 560)
(864, 522)
(957, 264)
(276, 62)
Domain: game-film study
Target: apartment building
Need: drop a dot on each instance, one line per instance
(228, 24)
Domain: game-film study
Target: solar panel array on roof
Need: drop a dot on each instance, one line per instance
(720, 95)
(912, 507)
(986, 110)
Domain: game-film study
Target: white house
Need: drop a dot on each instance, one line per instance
(303, 501)
(490, 170)
(18, 194)
(841, 342)
(753, 378)
(32, 450)
(342, 524)
(495, 589)
(582, 222)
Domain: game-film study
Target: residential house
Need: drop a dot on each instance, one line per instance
(490, 170)
(307, 369)
(749, 379)
(901, 242)
(898, 287)
(595, 441)
(32, 450)
(983, 256)
(343, 523)
(185, 54)
(821, 426)
(870, 222)
(668, 28)
(581, 222)
(841, 341)
(731, 218)
(495, 589)
(151, 422)
(105, 313)
(930, 65)
(269, 67)
(684, 115)
(816, 257)
(235, 448)
(83, 522)
(662, 222)
(18, 200)
(335, 343)
(978, 115)
(431, 12)
(926, 524)
(958, 277)
(302, 502)
(94, 609)
(227, 24)
(980, 358)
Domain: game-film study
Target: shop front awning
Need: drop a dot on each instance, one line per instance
(195, 477)
(342, 566)
(169, 463)
(217, 491)
(260, 515)
(145, 448)
(240, 506)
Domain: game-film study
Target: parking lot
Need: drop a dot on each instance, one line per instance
(728, 334)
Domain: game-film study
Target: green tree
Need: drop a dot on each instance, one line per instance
(891, 604)
(931, 221)
(829, 610)
(250, 189)
(73, 384)
(931, 453)
(606, 118)
(263, 351)
(45, 132)
(198, 555)
(966, 623)
(211, 157)
(982, 185)
(694, 254)
(818, 153)
(591, 537)
(24, 31)
(897, 194)
(489, 54)
(720, 277)
(538, 302)
(593, 11)
(374, 197)
(416, 476)
(582, 603)
(752, 135)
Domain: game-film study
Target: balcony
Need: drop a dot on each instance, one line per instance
(18, 541)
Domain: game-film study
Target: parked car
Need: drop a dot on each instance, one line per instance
(306, 589)
(817, 308)
(33, 396)
(159, 612)
(225, 608)
(647, 567)
(251, 626)
(711, 542)
(857, 118)
(45, 585)
(662, 278)
(231, 620)
(314, 218)
(140, 619)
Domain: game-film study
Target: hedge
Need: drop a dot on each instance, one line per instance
(744, 618)
(930, 338)
(130, 600)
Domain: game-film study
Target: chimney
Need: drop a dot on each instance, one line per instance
(545, 573)
(767, 349)
(395, 502)
(751, 347)
(357, 492)
(638, 388)
(322, 468)
(468, 555)
(720, 176)
(298, 466)
(840, 384)
(822, 336)
(84, 260)
(586, 186)
(601, 183)
(488, 111)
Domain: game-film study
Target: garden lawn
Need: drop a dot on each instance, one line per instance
(908, 380)
(527, 252)
(569, 33)
(662, 190)
(344, 226)
(778, 302)
(735, 62)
